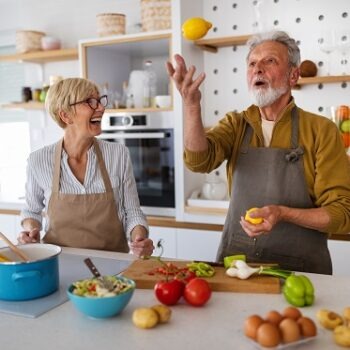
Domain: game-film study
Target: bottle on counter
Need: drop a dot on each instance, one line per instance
(152, 82)
(43, 93)
(124, 97)
(26, 94)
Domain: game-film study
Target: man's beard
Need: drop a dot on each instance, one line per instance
(266, 97)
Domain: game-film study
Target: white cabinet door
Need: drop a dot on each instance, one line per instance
(8, 226)
(197, 244)
(340, 254)
(168, 237)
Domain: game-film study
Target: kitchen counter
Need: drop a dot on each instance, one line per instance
(218, 325)
(13, 205)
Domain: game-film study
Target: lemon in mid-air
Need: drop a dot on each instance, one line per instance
(254, 221)
(195, 28)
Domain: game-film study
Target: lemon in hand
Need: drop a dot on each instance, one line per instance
(253, 221)
(195, 28)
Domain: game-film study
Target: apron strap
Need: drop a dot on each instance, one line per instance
(246, 138)
(296, 151)
(104, 173)
(57, 167)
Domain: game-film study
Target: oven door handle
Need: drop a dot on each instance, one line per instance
(134, 135)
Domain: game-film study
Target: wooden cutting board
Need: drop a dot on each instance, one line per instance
(139, 272)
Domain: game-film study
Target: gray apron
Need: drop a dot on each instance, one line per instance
(265, 176)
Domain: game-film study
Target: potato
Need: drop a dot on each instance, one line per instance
(329, 319)
(145, 318)
(164, 312)
(341, 336)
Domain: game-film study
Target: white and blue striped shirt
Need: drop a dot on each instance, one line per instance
(116, 156)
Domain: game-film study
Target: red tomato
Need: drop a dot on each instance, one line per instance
(197, 292)
(169, 292)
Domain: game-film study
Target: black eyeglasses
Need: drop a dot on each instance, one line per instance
(94, 102)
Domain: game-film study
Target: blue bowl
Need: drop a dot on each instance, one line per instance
(102, 307)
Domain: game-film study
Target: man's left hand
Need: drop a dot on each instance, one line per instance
(270, 215)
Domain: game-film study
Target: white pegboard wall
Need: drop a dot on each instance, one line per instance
(225, 87)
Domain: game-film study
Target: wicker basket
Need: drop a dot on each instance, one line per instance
(110, 24)
(155, 15)
(28, 40)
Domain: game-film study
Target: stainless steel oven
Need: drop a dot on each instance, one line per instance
(150, 140)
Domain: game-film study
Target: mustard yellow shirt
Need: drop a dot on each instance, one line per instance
(327, 168)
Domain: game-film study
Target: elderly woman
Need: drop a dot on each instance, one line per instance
(86, 186)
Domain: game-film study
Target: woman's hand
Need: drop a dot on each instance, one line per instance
(184, 82)
(32, 236)
(142, 246)
(270, 214)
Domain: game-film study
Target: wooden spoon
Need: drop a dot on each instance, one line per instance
(14, 248)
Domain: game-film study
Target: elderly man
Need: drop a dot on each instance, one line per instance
(289, 163)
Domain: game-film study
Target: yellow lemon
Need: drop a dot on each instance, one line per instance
(195, 28)
(254, 221)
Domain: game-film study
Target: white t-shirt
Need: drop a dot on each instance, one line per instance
(267, 128)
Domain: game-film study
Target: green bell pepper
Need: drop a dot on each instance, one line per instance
(228, 260)
(201, 269)
(298, 290)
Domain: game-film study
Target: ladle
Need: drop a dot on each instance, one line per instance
(14, 248)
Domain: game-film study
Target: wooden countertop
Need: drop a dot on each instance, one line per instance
(171, 222)
(165, 221)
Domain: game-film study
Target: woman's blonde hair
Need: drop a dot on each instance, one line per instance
(65, 92)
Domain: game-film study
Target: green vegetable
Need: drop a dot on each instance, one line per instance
(299, 290)
(201, 269)
(228, 260)
(242, 270)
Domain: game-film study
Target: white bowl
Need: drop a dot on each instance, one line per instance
(50, 43)
(162, 101)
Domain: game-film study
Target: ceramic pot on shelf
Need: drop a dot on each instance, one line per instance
(214, 187)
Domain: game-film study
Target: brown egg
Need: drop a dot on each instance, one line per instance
(274, 317)
(251, 325)
(268, 335)
(307, 327)
(290, 330)
(291, 312)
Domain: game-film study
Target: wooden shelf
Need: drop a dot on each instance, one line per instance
(41, 106)
(324, 79)
(212, 45)
(42, 56)
(138, 110)
(23, 105)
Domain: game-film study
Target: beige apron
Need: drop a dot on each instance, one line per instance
(84, 220)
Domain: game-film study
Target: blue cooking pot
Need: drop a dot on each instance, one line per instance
(25, 280)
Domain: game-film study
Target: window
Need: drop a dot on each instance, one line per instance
(14, 130)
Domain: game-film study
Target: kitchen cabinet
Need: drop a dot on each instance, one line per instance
(110, 61)
(197, 244)
(168, 238)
